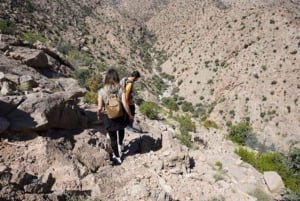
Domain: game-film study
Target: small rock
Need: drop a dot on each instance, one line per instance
(139, 191)
(167, 188)
(7, 88)
(158, 165)
(3, 168)
(85, 49)
(273, 181)
(2, 76)
(163, 128)
(239, 162)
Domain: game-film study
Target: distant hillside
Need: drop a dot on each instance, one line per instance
(241, 59)
(92, 34)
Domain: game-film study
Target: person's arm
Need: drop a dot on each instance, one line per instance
(126, 106)
(100, 106)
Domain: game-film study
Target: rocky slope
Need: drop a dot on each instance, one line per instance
(93, 34)
(239, 56)
(53, 150)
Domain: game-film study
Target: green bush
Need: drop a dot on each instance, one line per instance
(272, 161)
(219, 165)
(25, 86)
(150, 109)
(210, 124)
(64, 47)
(187, 107)
(185, 126)
(170, 103)
(291, 196)
(293, 159)
(158, 84)
(94, 82)
(78, 59)
(91, 97)
(7, 27)
(186, 139)
(240, 132)
(82, 76)
(33, 37)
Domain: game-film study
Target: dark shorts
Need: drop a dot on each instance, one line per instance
(115, 124)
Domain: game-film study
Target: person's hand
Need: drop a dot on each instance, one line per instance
(99, 115)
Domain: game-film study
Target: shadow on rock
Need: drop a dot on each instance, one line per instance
(143, 144)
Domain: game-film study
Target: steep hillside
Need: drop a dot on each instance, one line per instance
(93, 34)
(223, 61)
(241, 58)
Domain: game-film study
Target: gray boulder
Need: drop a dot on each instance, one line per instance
(92, 157)
(42, 111)
(31, 57)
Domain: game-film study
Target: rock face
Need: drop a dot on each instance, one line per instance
(274, 182)
(32, 101)
(41, 111)
(14, 183)
(31, 57)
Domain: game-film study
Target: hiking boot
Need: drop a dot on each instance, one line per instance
(116, 160)
(130, 128)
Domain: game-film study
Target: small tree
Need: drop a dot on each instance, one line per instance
(239, 133)
(150, 109)
(82, 76)
(187, 107)
(186, 125)
(94, 83)
(7, 27)
(170, 103)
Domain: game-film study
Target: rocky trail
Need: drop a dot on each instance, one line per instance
(156, 167)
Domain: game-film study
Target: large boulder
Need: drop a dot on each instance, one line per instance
(41, 111)
(92, 157)
(31, 57)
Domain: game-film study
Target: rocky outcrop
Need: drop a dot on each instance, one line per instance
(18, 185)
(30, 57)
(32, 99)
(42, 111)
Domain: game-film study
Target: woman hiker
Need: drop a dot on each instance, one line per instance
(114, 126)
